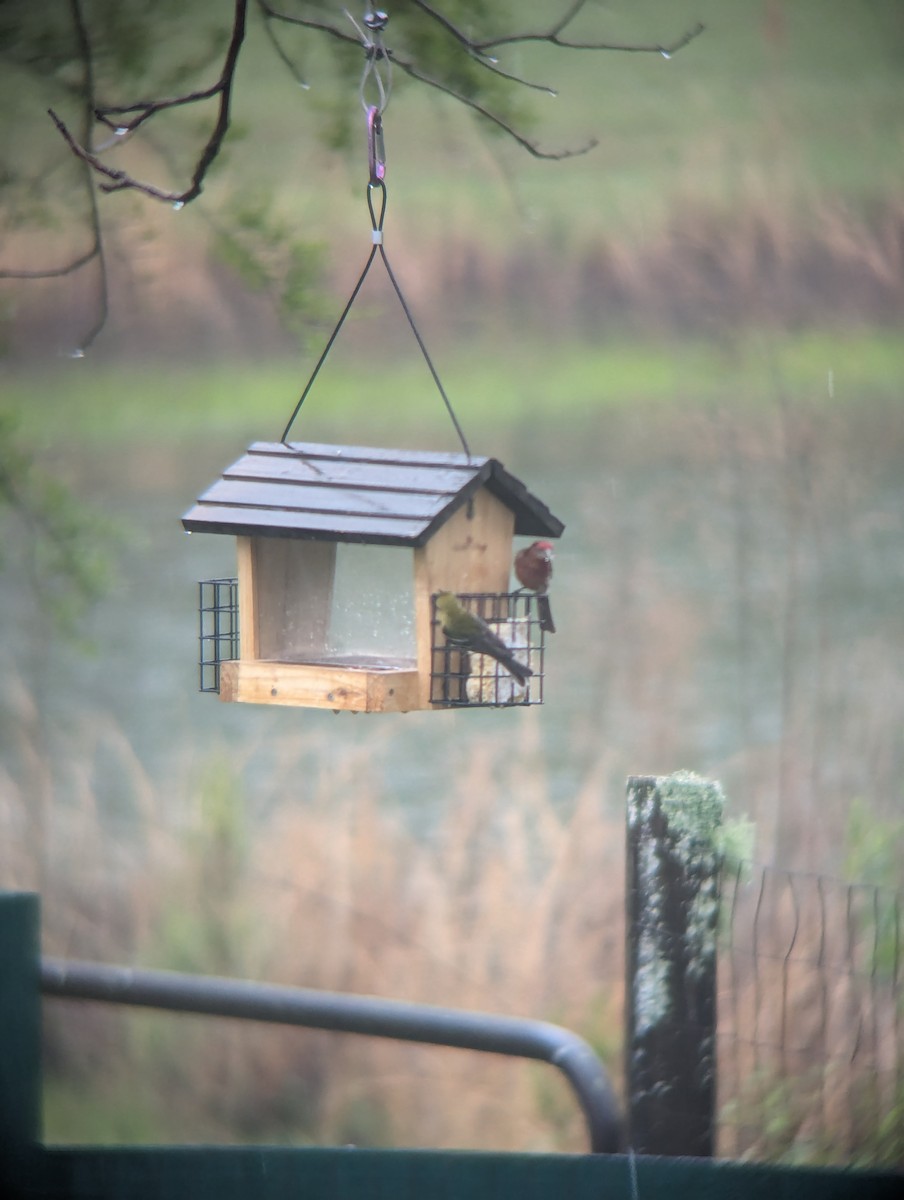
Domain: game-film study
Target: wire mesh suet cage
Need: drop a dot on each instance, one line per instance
(218, 612)
(463, 677)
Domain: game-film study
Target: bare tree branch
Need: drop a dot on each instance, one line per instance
(480, 52)
(146, 109)
(126, 119)
(415, 73)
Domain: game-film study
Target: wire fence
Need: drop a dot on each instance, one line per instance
(810, 1029)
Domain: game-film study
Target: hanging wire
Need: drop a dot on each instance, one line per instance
(378, 229)
(376, 55)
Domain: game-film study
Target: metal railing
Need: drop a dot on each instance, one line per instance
(516, 1037)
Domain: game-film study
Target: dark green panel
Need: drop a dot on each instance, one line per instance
(20, 1035)
(314, 1174)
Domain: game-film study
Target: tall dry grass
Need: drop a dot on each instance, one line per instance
(761, 262)
(506, 905)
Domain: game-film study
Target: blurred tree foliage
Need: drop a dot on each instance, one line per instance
(58, 545)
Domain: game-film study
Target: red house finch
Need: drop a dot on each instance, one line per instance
(533, 567)
(471, 632)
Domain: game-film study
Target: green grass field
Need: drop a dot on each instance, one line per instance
(492, 388)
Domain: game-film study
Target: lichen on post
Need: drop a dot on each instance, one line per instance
(673, 861)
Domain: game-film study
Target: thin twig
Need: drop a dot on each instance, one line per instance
(119, 179)
(552, 35)
(149, 108)
(486, 61)
(481, 110)
(553, 38)
(280, 53)
(306, 23)
(53, 272)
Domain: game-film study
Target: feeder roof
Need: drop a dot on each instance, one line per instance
(356, 494)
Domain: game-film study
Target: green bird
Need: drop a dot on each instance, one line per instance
(471, 632)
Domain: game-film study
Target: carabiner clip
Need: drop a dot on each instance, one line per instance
(376, 154)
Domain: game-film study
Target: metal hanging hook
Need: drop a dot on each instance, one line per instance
(376, 59)
(377, 64)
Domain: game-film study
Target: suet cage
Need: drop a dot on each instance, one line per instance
(464, 678)
(218, 635)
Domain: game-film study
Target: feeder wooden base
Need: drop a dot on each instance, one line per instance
(320, 685)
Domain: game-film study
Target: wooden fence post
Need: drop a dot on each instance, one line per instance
(672, 896)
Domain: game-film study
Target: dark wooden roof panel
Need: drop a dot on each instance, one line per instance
(303, 498)
(251, 522)
(356, 493)
(366, 454)
(394, 477)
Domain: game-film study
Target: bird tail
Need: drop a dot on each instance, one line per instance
(544, 611)
(519, 669)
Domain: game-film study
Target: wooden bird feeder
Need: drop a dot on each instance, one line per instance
(341, 551)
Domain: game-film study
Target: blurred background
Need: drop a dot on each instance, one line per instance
(685, 341)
